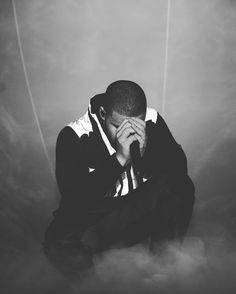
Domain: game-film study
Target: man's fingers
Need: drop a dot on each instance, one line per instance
(127, 125)
(130, 125)
(131, 139)
(139, 121)
(123, 137)
(138, 130)
(122, 124)
(139, 138)
(119, 129)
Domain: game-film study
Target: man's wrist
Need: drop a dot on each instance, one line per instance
(121, 160)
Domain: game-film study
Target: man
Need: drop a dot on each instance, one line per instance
(112, 195)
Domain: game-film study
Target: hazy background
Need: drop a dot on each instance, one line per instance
(73, 50)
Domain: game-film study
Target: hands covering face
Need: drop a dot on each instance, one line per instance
(130, 130)
(140, 133)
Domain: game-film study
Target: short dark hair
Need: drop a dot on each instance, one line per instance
(126, 98)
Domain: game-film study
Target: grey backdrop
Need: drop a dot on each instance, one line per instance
(73, 50)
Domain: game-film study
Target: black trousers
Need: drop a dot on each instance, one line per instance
(159, 210)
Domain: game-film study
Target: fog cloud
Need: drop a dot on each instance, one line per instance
(72, 50)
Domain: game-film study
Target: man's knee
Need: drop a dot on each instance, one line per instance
(155, 186)
(180, 184)
(68, 258)
(186, 191)
(174, 191)
(59, 229)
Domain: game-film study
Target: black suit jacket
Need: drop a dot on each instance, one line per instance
(87, 169)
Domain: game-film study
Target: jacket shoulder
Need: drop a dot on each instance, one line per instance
(151, 115)
(81, 126)
(66, 139)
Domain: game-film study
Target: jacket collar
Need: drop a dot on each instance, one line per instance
(93, 110)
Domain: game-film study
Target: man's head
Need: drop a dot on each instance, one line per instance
(123, 99)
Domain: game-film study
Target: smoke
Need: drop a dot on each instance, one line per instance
(196, 266)
(74, 48)
(25, 204)
(204, 263)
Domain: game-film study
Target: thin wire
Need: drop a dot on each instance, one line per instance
(29, 89)
(166, 58)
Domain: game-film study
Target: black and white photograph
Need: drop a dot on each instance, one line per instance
(117, 146)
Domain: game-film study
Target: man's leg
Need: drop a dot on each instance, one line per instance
(71, 259)
(173, 213)
(65, 252)
(160, 208)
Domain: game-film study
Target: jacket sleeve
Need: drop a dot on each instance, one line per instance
(79, 187)
(163, 153)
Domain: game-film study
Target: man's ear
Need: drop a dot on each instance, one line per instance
(102, 112)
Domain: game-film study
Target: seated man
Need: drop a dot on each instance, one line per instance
(110, 195)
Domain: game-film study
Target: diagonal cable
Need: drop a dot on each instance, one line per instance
(166, 57)
(29, 89)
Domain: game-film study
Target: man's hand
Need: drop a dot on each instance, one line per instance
(140, 133)
(130, 130)
(125, 135)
